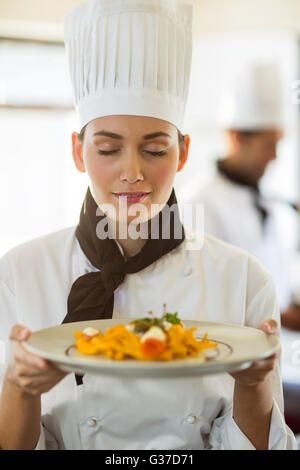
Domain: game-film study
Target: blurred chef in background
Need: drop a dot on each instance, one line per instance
(235, 210)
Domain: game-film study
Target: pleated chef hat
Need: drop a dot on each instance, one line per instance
(254, 101)
(130, 57)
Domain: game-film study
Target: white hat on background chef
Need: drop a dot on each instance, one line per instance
(130, 57)
(254, 101)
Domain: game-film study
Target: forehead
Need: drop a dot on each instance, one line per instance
(130, 126)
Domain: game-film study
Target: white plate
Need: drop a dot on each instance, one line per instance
(238, 347)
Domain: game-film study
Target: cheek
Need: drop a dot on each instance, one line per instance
(99, 173)
(163, 175)
(256, 154)
(162, 182)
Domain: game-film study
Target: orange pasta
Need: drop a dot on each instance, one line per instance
(119, 343)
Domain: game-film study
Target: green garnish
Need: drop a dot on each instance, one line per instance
(172, 318)
(143, 324)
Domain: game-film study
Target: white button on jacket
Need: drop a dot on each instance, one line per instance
(225, 285)
(191, 419)
(91, 422)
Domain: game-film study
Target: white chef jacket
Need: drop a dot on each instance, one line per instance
(230, 214)
(216, 283)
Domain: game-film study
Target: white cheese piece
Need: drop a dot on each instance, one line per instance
(129, 328)
(90, 331)
(167, 325)
(154, 332)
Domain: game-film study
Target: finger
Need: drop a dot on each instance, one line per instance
(269, 326)
(40, 384)
(19, 333)
(40, 376)
(23, 356)
(25, 371)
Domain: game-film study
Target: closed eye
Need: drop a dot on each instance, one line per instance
(156, 154)
(107, 152)
(110, 152)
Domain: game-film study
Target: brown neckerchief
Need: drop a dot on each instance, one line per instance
(92, 294)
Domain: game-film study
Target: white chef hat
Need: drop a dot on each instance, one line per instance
(254, 101)
(130, 57)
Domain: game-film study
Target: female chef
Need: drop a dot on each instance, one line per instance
(130, 65)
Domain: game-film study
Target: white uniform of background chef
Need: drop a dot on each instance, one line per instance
(234, 207)
(132, 58)
(251, 113)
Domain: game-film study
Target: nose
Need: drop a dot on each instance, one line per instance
(131, 168)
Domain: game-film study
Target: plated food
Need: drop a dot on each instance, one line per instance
(237, 347)
(146, 339)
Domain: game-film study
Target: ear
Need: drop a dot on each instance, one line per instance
(77, 153)
(184, 151)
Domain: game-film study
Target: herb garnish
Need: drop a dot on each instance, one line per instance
(172, 318)
(142, 325)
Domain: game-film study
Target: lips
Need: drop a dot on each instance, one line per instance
(131, 196)
(132, 193)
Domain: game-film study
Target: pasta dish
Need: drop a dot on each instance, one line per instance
(150, 338)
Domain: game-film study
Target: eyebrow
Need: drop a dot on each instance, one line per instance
(112, 135)
(155, 134)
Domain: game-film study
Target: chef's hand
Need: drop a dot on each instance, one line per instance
(257, 373)
(29, 373)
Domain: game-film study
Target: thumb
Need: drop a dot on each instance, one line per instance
(19, 333)
(269, 326)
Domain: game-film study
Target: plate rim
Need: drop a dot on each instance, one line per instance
(140, 367)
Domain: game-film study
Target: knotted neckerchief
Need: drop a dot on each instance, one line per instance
(239, 179)
(92, 295)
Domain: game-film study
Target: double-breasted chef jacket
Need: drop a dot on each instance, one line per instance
(231, 213)
(217, 283)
